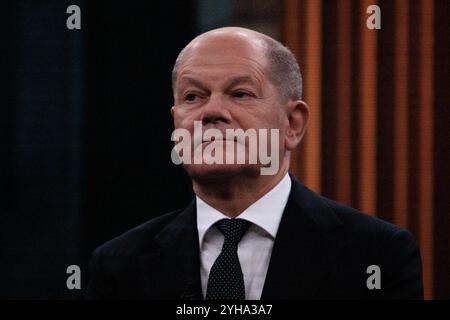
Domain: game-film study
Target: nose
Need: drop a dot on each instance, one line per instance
(215, 111)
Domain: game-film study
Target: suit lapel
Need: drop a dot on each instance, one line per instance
(308, 241)
(173, 270)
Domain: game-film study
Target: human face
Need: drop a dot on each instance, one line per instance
(223, 82)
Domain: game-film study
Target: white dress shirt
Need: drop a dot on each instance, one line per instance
(255, 247)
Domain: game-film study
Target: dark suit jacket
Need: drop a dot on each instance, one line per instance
(322, 251)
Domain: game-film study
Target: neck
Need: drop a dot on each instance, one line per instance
(232, 195)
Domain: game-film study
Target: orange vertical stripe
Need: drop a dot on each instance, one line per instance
(425, 143)
(367, 114)
(401, 113)
(291, 26)
(343, 102)
(291, 34)
(312, 85)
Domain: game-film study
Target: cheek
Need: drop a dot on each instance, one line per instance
(265, 114)
(184, 119)
(266, 120)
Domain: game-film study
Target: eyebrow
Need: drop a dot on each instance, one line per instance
(240, 80)
(231, 83)
(193, 81)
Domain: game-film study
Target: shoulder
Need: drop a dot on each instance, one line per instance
(114, 267)
(371, 241)
(329, 213)
(355, 219)
(366, 231)
(138, 239)
(361, 231)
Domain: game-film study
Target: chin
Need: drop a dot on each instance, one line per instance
(220, 171)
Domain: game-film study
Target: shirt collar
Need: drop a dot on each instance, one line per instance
(265, 213)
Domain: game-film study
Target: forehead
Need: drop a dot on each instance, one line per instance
(221, 56)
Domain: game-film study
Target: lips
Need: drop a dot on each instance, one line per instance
(205, 142)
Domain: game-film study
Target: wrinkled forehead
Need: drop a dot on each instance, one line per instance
(211, 49)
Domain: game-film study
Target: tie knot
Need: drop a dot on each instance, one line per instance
(233, 229)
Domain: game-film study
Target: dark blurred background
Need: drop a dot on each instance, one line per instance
(85, 125)
(85, 133)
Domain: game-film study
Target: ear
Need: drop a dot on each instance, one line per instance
(298, 117)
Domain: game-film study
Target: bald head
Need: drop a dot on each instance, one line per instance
(280, 65)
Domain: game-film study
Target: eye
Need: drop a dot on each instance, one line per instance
(191, 97)
(241, 94)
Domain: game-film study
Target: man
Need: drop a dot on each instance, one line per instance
(249, 235)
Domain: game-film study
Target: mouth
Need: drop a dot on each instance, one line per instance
(206, 142)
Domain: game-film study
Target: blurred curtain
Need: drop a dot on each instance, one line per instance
(377, 138)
